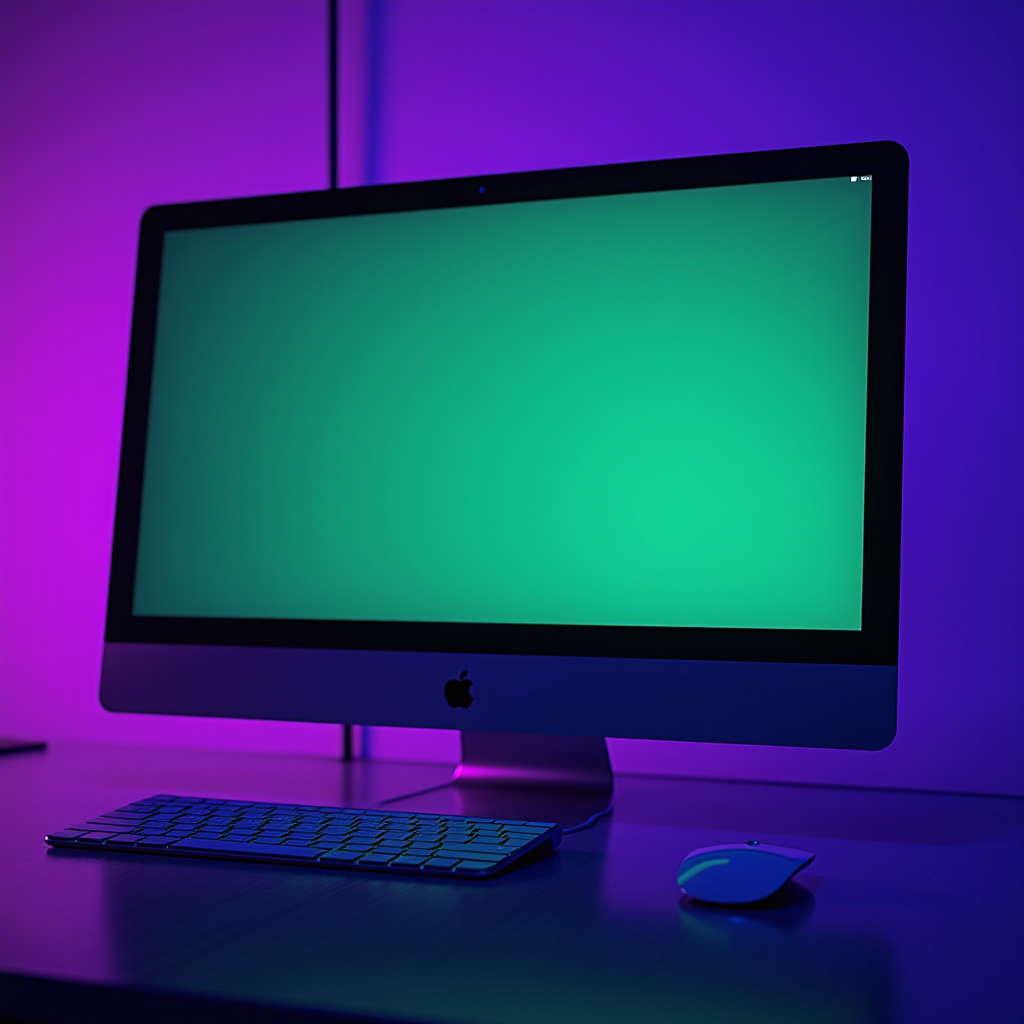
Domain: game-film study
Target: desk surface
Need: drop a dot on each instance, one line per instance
(913, 910)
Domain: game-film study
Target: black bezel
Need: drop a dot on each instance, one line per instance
(875, 644)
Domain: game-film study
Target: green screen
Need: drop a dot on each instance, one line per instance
(643, 409)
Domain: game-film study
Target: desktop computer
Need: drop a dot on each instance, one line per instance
(544, 457)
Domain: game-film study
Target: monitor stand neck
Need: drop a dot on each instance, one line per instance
(567, 779)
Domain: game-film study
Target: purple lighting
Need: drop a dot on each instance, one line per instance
(107, 107)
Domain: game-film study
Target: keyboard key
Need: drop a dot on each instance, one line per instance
(227, 849)
(410, 861)
(340, 857)
(474, 865)
(473, 849)
(377, 858)
(125, 840)
(490, 858)
(442, 862)
(155, 842)
(68, 833)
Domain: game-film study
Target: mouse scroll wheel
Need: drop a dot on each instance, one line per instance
(753, 842)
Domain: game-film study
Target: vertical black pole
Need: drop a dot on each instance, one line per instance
(334, 181)
(332, 94)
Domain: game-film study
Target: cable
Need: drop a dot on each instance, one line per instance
(590, 822)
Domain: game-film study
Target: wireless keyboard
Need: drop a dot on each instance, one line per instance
(323, 837)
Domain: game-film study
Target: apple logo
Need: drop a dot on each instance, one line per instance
(456, 691)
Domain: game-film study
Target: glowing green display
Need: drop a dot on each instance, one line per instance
(639, 409)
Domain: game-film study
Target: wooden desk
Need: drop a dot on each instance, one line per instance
(913, 911)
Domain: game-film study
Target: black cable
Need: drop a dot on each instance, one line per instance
(592, 820)
(332, 93)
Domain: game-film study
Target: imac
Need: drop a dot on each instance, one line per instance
(543, 457)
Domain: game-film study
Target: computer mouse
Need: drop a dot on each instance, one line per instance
(739, 872)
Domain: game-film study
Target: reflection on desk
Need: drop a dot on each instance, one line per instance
(893, 921)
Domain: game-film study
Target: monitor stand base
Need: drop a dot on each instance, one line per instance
(566, 779)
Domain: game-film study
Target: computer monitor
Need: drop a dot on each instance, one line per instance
(602, 451)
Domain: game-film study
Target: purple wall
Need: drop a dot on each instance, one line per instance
(107, 107)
